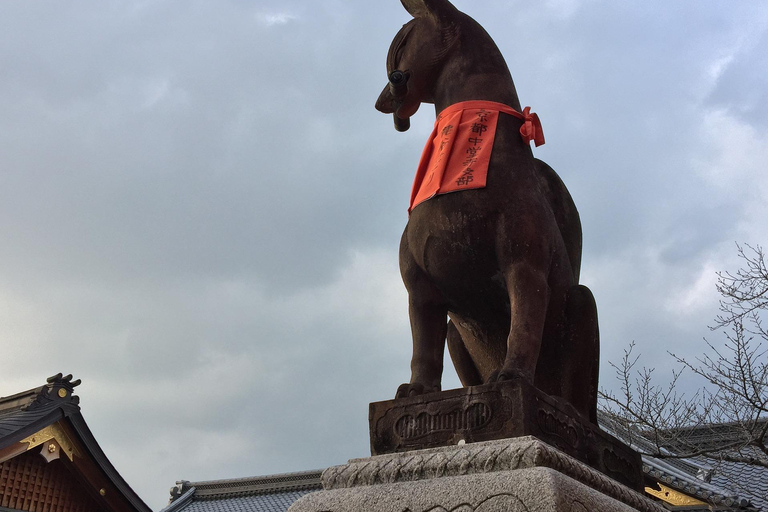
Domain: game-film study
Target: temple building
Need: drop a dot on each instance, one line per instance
(50, 461)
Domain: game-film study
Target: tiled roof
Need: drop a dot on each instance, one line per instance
(738, 486)
(25, 413)
(271, 502)
(748, 481)
(669, 472)
(274, 493)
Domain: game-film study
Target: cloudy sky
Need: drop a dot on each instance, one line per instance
(200, 208)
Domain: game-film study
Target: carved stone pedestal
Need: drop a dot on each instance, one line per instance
(510, 475)
(501, 410)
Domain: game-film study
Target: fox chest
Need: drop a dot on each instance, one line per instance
(457, 251)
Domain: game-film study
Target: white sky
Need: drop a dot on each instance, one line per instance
(200, 208)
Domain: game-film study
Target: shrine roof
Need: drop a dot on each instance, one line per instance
(734, 485)
(52, 412)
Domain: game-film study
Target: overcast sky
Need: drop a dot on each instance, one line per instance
(200, 208)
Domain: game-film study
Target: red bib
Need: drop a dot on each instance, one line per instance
(458, 151)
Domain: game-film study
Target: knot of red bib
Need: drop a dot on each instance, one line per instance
(531, 129)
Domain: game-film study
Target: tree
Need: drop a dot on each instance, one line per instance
(727, 419)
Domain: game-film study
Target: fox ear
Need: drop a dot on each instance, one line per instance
(441, 9)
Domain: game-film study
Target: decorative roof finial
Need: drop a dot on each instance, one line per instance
(62, 386)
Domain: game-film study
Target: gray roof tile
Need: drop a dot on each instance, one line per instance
(272, 502)
(272, 493)
(732, 484)
(748, 481)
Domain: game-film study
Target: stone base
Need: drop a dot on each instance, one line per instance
(501, 410)
(518, 475)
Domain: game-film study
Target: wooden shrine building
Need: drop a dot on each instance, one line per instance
(50, 461)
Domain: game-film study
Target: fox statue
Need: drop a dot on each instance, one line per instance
(491, 253)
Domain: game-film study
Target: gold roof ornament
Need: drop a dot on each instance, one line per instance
(56, 433)
(673, 497)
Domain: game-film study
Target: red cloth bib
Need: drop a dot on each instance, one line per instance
(458, 151)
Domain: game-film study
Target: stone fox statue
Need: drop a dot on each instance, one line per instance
(493, 266)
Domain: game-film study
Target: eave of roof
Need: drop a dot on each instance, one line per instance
(684, 482)
(81, 427)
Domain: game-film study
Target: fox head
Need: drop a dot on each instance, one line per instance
(439, 47)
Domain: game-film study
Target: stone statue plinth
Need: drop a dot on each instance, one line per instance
(510, 475)
(500, 410)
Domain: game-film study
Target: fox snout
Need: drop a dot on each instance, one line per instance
(392, 97)
(386, 102)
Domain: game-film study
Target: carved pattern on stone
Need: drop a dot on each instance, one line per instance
(475, 458)
(503, 501)
(578, 506)
(473, 417)
(551, 424)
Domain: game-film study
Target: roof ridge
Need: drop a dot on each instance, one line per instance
(212, 489)
(17, 400)
(57, 388)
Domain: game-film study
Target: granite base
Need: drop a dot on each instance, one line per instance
(520, 475)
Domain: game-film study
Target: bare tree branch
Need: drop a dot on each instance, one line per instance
(726, 420)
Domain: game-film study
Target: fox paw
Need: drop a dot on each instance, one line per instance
(414, 389)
